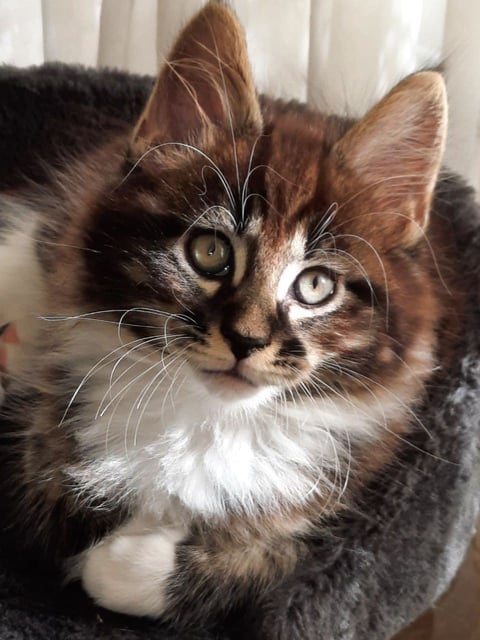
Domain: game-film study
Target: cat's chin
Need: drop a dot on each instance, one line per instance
(232, 387)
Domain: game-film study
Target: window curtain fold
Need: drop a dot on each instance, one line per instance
(339, 55)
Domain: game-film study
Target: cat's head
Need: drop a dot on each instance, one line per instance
(287, 245)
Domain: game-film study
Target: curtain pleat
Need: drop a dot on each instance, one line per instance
(127, 37)
(278, 41)
(21, 33)
(70, 30)
(359, 49)
(461, 52)
(339, 55)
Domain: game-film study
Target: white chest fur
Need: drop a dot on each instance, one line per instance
(156, 435)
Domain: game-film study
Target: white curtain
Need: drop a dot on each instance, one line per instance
(340, 55)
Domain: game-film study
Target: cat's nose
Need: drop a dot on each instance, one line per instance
(242, 346)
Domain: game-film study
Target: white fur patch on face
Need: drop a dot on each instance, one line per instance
(286, 280)
(128, 571)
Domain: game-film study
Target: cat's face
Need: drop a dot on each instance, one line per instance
(269, 281)
(256, 280)
(278, 250)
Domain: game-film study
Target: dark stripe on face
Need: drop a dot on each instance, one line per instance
(367, 293)
(118, 239)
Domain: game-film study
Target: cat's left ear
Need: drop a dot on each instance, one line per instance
(389, 161)
(206, 83)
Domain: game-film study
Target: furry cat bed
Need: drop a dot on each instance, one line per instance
(373, 570)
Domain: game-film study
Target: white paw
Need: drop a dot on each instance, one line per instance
(128, 572)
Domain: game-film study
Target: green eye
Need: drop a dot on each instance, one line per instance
(210, 254)
(313, 286)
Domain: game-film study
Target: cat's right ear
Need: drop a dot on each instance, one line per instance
(388, 163)
(206, 83)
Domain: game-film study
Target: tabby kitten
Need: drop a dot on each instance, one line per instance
(242, 302)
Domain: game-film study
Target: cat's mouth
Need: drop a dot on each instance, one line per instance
(233, 374)
(229, 383)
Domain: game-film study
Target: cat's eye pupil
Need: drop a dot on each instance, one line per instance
(210, 254)
(314, 286)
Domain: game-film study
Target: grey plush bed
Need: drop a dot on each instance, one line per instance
(371, 572)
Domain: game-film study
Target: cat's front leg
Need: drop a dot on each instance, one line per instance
(188, 576)
(128, 570)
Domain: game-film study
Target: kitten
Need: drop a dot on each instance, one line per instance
(243, 300)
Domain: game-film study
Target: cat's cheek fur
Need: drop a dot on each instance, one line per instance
(128, 571)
